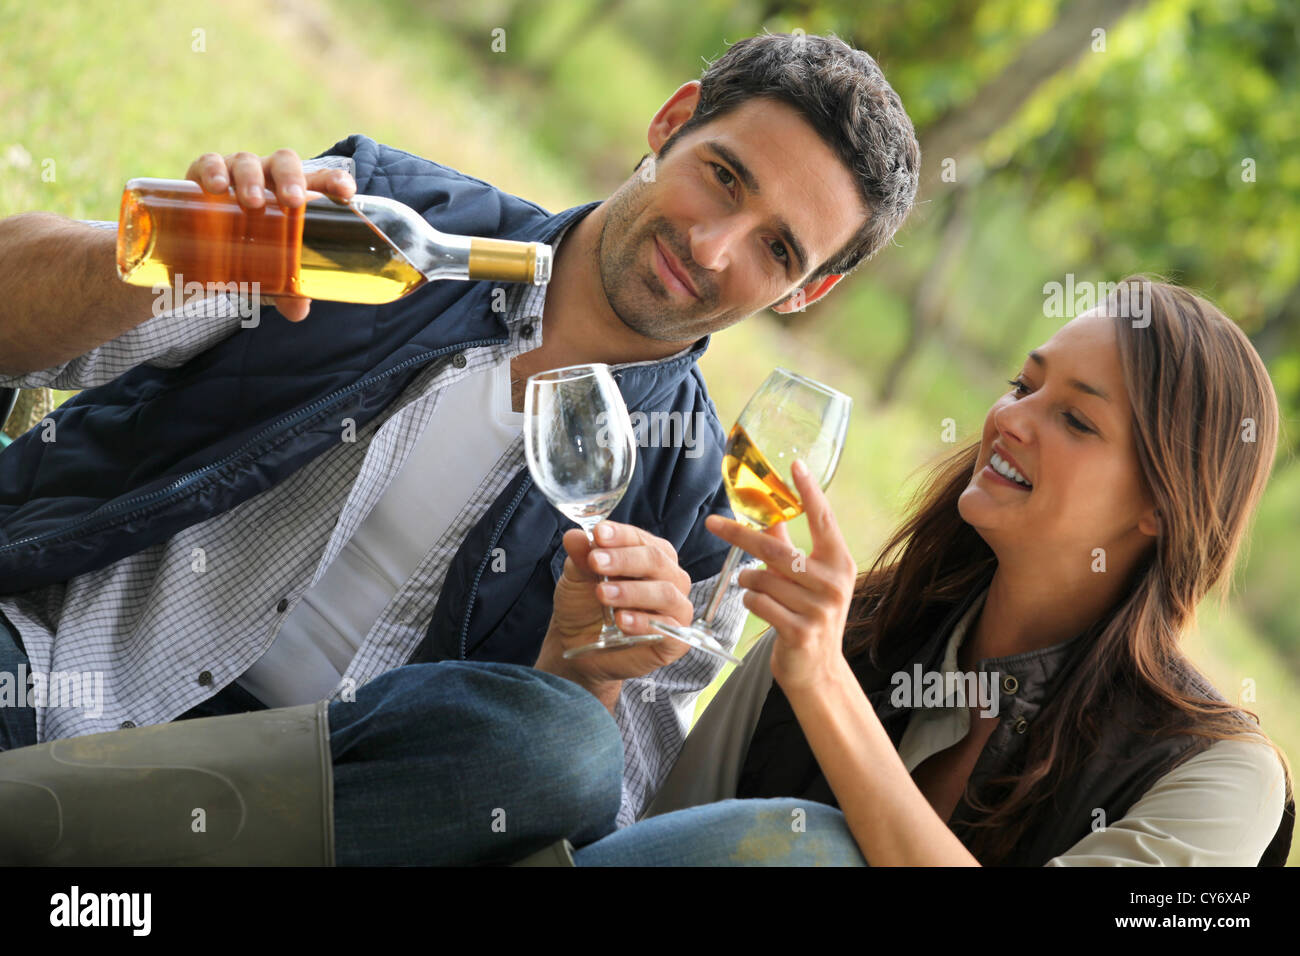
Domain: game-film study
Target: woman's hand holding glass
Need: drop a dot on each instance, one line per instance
(804, 597)
(790, 418)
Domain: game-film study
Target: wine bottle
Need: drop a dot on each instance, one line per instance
(368, 249)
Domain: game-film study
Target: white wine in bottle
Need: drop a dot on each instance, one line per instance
(368, 249)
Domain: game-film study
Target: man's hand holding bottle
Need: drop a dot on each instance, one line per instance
(283, 175)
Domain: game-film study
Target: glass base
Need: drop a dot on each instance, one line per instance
(697, 636)
(607, 642)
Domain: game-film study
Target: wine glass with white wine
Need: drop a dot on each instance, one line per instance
(789, 417)
(581, 452)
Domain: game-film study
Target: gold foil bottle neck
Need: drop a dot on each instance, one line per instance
(508, 261)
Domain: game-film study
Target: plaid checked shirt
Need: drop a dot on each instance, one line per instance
(173, 624)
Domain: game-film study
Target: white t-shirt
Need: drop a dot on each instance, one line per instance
(319, 638)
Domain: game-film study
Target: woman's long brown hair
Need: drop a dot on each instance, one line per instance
(1205, 421)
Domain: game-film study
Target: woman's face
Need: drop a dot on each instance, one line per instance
(1066, 429)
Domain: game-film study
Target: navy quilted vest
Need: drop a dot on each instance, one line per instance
(158, 450)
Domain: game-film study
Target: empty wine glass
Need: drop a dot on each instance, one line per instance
(789, 417)
(581, 451)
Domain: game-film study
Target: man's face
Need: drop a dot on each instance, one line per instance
(745, 207)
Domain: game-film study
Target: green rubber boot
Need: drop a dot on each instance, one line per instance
(251, 789)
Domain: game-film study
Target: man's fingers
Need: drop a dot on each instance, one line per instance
(293, 308)
(283, 171)
(638, 561)
(656, 597)
(630, 662)
(246, 174)
(636, 623)
(615, 534)
(280, 172)
(576, 564)
(210, 172)
(575, 543)
(332, 182)
(630, 552)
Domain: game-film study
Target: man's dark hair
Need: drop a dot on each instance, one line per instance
(843, 95)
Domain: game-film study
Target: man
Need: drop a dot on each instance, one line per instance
(233, 518)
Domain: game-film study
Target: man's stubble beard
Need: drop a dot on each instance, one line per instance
(622, 269)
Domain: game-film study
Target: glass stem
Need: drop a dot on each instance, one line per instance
(724, 580)
(609, 613)
(606, 611)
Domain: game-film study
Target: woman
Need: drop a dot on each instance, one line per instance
(1056, 561)
(1076, 596)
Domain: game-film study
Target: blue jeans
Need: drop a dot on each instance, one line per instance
(483, 763)
(458, 763)
(779, 832)
(472, 762)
